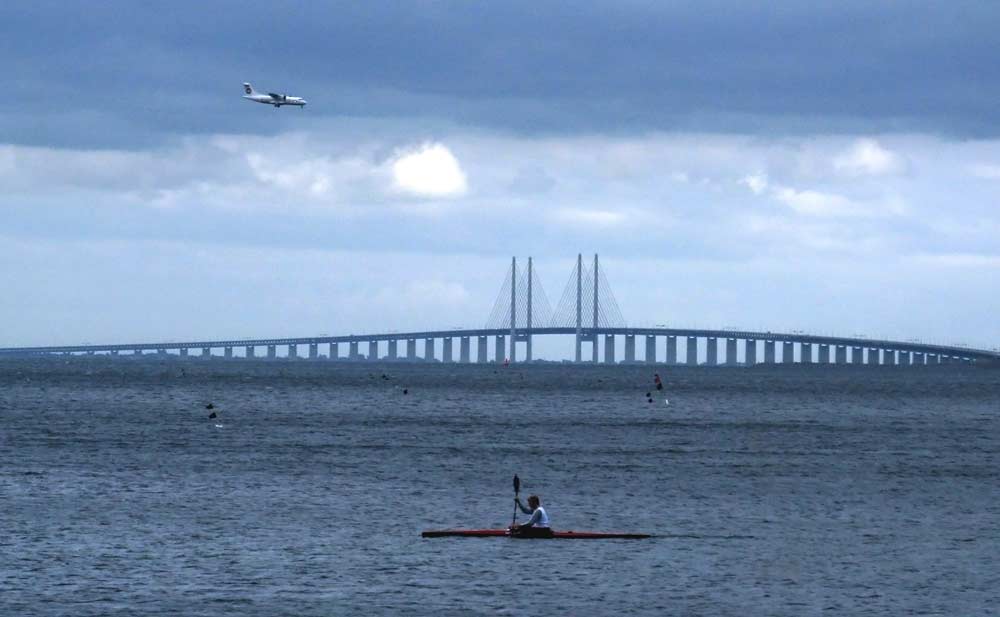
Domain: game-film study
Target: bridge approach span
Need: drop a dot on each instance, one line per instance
(722, 347)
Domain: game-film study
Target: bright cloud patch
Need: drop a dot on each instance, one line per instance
(595, 218)
(430, 171)
(868, 158)
(756, 183)
(990, 172)
(815, 203)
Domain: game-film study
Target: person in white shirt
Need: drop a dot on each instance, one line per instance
(538, 524)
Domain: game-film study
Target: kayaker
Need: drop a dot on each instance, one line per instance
(538, 524)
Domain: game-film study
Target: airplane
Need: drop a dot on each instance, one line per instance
(271, 98)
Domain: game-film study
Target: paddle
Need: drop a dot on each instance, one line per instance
(517, 490)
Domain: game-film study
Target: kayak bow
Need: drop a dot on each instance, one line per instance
(557, 535)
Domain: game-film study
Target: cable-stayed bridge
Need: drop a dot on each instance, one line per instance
(587, 311)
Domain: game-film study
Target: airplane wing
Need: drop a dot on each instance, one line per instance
(280, 97)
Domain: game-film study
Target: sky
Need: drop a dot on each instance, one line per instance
(774, 165)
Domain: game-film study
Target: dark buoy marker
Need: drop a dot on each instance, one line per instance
(406, 391)
(210, 406)
(213, 415)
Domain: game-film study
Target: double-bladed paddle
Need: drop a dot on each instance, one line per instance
(517, 490)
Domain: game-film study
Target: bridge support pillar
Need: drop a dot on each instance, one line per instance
(500, 349)
(313, 351)
(769, 352)
(411, 349)
(805, 353)
(730, 352)
(464, 355)
(919, 358)
(352, 350)
(841, 355)
(906, 357)
(671, 350)
(114, 352)
(712, 351)
(429, 349)
(857, 355)
(272, 352)
(889, 357)
(650, 350)
(787, 352)
(393, 351)
(750, 352)
(206, 352)
(183, 352)
(334, 352)
(446, 344)
(609, 348)
(248, 351)
(228, 352)
(160, 352)
(629, 348)
(692, 351)
(135, 352)
(293, 351)
(481, 357)
(824, 353)
(373, 351)
(872, 357)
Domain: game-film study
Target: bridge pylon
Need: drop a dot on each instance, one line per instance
(588, 296)
(520, 307)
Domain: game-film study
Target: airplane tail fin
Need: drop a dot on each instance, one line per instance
(247, 88)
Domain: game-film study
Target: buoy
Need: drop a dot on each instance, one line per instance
(210, 406)
(213, 415)
(405, 391)
(650, 400)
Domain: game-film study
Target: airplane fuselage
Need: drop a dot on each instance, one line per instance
(267, 99)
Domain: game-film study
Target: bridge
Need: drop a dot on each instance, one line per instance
(522, 312)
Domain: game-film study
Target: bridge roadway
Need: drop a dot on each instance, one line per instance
(846, 350)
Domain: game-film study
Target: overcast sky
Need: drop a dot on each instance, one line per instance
(767, 165)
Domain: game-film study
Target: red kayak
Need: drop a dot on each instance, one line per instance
(558, 535)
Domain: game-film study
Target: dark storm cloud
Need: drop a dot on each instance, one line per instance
(117, 73)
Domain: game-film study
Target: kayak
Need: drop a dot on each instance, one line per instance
(557, 535)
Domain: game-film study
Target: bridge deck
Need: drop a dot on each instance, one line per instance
(782, 337)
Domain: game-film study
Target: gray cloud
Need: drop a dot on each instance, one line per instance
(117, 73)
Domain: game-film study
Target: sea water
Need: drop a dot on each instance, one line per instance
(771, 490)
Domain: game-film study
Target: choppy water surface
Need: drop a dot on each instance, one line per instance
(773, 491)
